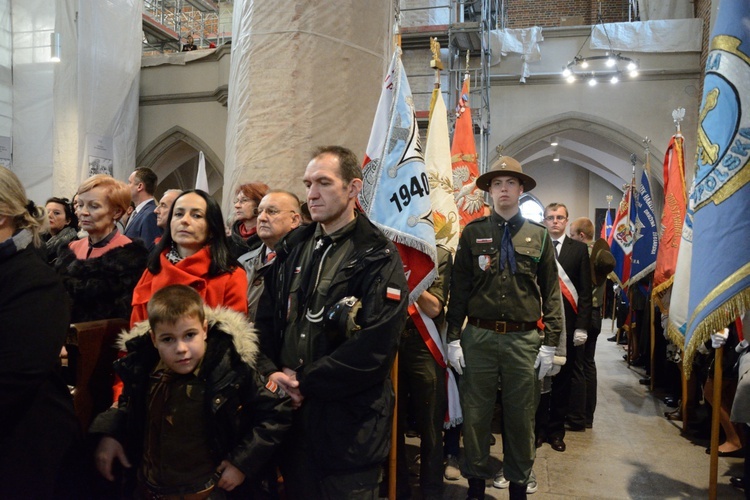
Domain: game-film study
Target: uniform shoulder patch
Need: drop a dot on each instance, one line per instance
(393, 293)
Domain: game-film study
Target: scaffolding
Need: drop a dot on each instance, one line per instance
(166, 23)
(467, 30)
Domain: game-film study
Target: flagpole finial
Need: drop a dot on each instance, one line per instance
(609, 200)
(646, 144)
(677, 116)
(436, 63)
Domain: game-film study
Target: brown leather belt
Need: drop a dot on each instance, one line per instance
(502, 326)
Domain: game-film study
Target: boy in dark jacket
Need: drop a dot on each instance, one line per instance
(194, 415)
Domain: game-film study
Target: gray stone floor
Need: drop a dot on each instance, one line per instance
(632, 451)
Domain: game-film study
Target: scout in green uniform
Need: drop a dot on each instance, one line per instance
(504, 280)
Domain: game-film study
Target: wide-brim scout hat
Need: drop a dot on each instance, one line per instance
(505, 165)
(602, 261)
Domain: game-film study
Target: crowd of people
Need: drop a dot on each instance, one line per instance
(259, 354)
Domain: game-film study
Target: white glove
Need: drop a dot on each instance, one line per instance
(456, 356)
(718, 339)
(579, 337)
(557, 364)
(544, 360)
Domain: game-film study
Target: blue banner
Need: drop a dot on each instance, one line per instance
(720, 195)
(646, 233)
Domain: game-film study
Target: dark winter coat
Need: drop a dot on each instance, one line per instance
(247, 420)
(102, 287)
(36, 409)
(238, 245)
(347, 388)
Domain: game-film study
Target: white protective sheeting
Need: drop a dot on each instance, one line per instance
(6, 74)
(652, 10)
(92, 90)
(302, 74)
(519, 41)
(109, 65)
(33, 21)
(675, 35)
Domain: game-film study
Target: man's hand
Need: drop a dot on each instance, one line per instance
(287, 380)
(579, 337)
(231, 476)
(456, 356)
(544, 360)
(108, 449)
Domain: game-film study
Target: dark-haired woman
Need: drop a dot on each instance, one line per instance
(63, 226)
(193, 252)
(244, 234)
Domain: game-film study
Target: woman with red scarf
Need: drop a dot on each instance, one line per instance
(244, 237)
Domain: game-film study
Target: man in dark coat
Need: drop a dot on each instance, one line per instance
(329, 321)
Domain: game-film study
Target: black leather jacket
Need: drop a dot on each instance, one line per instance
(347, 388)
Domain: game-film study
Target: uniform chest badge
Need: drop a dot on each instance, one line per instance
(484, 240)
(485, 261)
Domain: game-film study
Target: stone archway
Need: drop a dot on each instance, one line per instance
(173, 156)
(596, 144)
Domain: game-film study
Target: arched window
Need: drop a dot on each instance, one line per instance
(531, 208)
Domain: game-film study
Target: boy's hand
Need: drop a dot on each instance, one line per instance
(287, 380)
(231, 476)
(108, 449)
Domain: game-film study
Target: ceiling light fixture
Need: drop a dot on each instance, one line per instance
(609, 66)
(554, 141)
(555, 157)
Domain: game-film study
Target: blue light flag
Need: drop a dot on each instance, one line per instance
(720, 196)
(395, 189)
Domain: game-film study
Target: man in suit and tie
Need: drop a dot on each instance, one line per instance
(574, 270)
(142, 224)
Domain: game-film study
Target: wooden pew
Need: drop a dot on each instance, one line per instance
(91, 351)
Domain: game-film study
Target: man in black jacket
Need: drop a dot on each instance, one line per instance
(574, 269)
(329, 321)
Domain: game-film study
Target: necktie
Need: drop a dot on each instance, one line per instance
(507, 254)
(557, 246)
(270, 256)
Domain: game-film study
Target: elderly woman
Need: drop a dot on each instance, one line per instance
(63, 226)
(100, 271)
(246, 201)
(36, 409)
(193, 252)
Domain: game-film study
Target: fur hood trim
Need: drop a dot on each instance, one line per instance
(231, 322)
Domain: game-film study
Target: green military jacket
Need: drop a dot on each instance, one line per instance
(480, 289)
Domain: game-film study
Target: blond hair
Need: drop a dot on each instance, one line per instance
(117, 192)
(14, 204)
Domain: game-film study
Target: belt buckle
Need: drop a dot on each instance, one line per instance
(504, 325)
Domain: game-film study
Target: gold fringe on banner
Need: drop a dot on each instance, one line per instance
(714, 322)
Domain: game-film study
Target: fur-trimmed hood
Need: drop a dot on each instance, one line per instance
(243, 334)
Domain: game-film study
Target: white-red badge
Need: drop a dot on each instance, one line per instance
(484, 261)
(271, 386)
(484, 240)
(393, 293)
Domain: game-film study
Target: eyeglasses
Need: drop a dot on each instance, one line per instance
(551, 218)
(271, 211)
(242, 200)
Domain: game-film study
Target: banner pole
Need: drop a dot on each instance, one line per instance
(715, 416)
